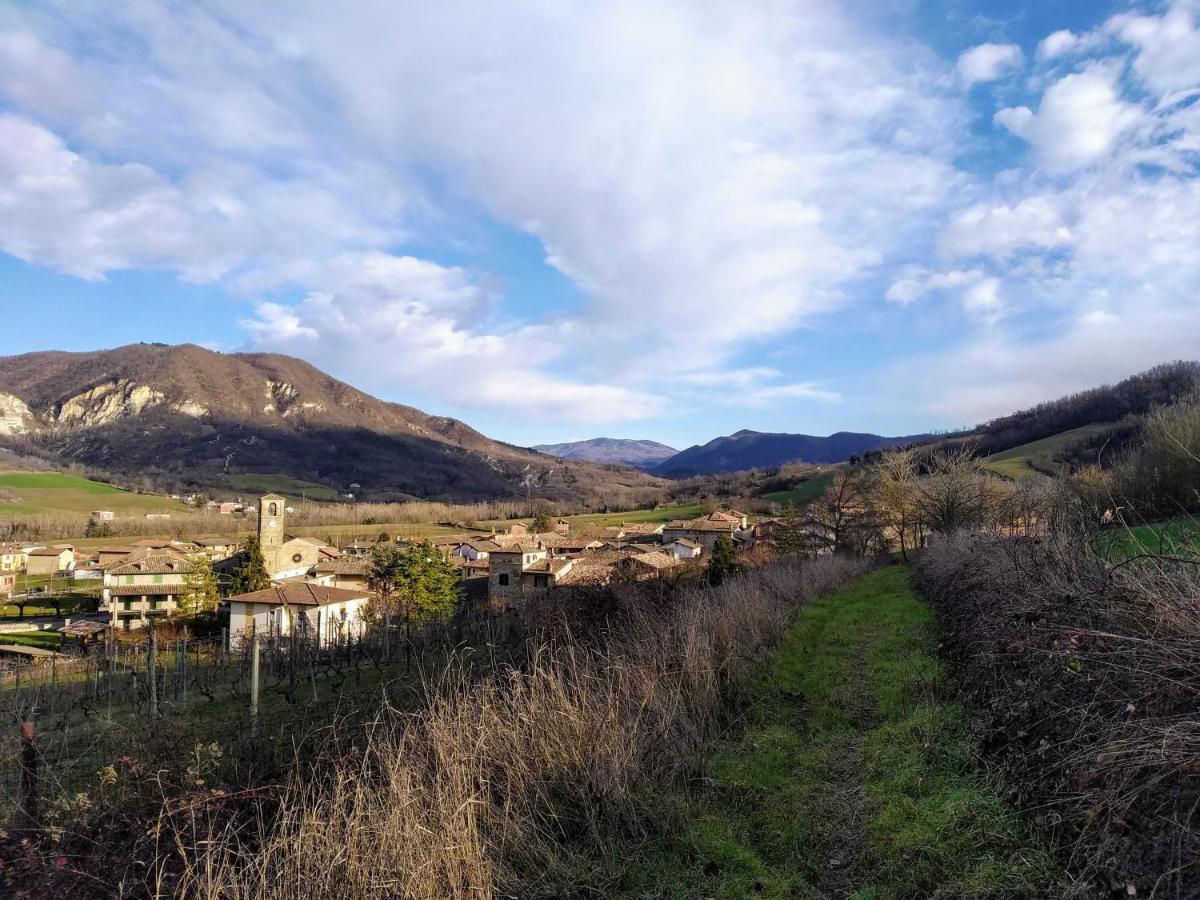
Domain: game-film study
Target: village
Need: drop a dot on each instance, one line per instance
(325, 590)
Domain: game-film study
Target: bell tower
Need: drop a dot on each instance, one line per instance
(270, 530)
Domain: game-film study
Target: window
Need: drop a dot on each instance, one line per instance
(296, 557)
(502, 579)
(539, 581)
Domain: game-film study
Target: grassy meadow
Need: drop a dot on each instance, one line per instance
(1026, 460)
(40, 493)
(803, 492)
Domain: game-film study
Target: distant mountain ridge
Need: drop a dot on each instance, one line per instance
(761, 450)
(641, 454)
(192, 416)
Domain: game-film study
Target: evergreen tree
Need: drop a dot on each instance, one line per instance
(723, 562)
(792, 535)
(201, 595)
(252, 574)
(428, 583)
(541, 524)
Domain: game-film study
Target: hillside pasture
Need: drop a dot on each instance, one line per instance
(1037, 457)
(25, 494)
(263, 483)
(804, 492)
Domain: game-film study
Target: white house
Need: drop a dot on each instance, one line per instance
(327, 614)
(683, 548)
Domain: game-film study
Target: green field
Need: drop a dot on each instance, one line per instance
(1025, 461)
(661, 514)
(250, 483)
(854, 775)
(49, 640)
(803, 492)
(37, 493)
(1178, 538)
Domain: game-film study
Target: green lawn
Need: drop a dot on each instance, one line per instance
(804, 491)
(1025, 460)
(50, 640)
(661, 514)
(1177, 538)
(854, 775)
(37, 493)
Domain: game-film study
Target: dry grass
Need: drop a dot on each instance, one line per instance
(522, 783)
(1091, 675)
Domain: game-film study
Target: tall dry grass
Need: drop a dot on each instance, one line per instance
(1089, 673)
(516, 784)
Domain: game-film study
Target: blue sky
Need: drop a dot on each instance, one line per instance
(657, 219)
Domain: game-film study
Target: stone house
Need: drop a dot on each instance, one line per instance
(683, 548)
(707, 530)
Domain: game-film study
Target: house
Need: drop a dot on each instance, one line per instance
(8, 584)
(628, 531)
(217, 548)
(357, 549)
(642, 566)
(103, 515)
(12, 558)
(562, 526)
(683, 548)
(475, 549)
(326, 614)
(149, 584)
(49, 560)
(707, 530)
(110, 555)
(507, 565)
(228, 508)
(349, 572)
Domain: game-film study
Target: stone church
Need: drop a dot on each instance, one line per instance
(285, 556)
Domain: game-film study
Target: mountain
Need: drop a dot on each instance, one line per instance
(762, 450)
(193, 417)
(625, 451)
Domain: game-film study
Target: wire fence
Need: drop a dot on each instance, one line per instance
(247, 712)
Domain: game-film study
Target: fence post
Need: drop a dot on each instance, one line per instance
(254, 663)
(152, 671)
(30, 796)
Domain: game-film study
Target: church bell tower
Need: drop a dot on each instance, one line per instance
(270, 530)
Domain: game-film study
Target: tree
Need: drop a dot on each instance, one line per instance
(896, 498)
(843, 513)
(384, 538)
(251, 574)
(201, 595)
(723, 561)
(96, 529)
(541, 524)
(958, 492)
(793, 534)
(428, 583)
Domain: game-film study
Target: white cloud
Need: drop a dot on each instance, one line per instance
(988, 62)
(1000, 230)
(733, 172)
(1168, 45)
(916, 283)
(1079, 121)
(1058, 44)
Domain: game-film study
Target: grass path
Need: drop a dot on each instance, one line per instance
(854, 775)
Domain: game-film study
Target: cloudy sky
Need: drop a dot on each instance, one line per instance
(652, 219)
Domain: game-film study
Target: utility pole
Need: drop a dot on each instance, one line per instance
(152, 672)
(254, 665)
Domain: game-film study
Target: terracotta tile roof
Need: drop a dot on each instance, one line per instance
(551, 566)
(655, 560)
(524, 545)
(301, 593)
(46, 551)
(706, 524)
(344, 565)
(146, 590)
(685, 542)
(155, 562)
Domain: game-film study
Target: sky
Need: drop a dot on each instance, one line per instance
(664, 220)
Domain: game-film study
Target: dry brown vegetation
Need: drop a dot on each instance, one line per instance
(1089, 674)
(521, 783)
